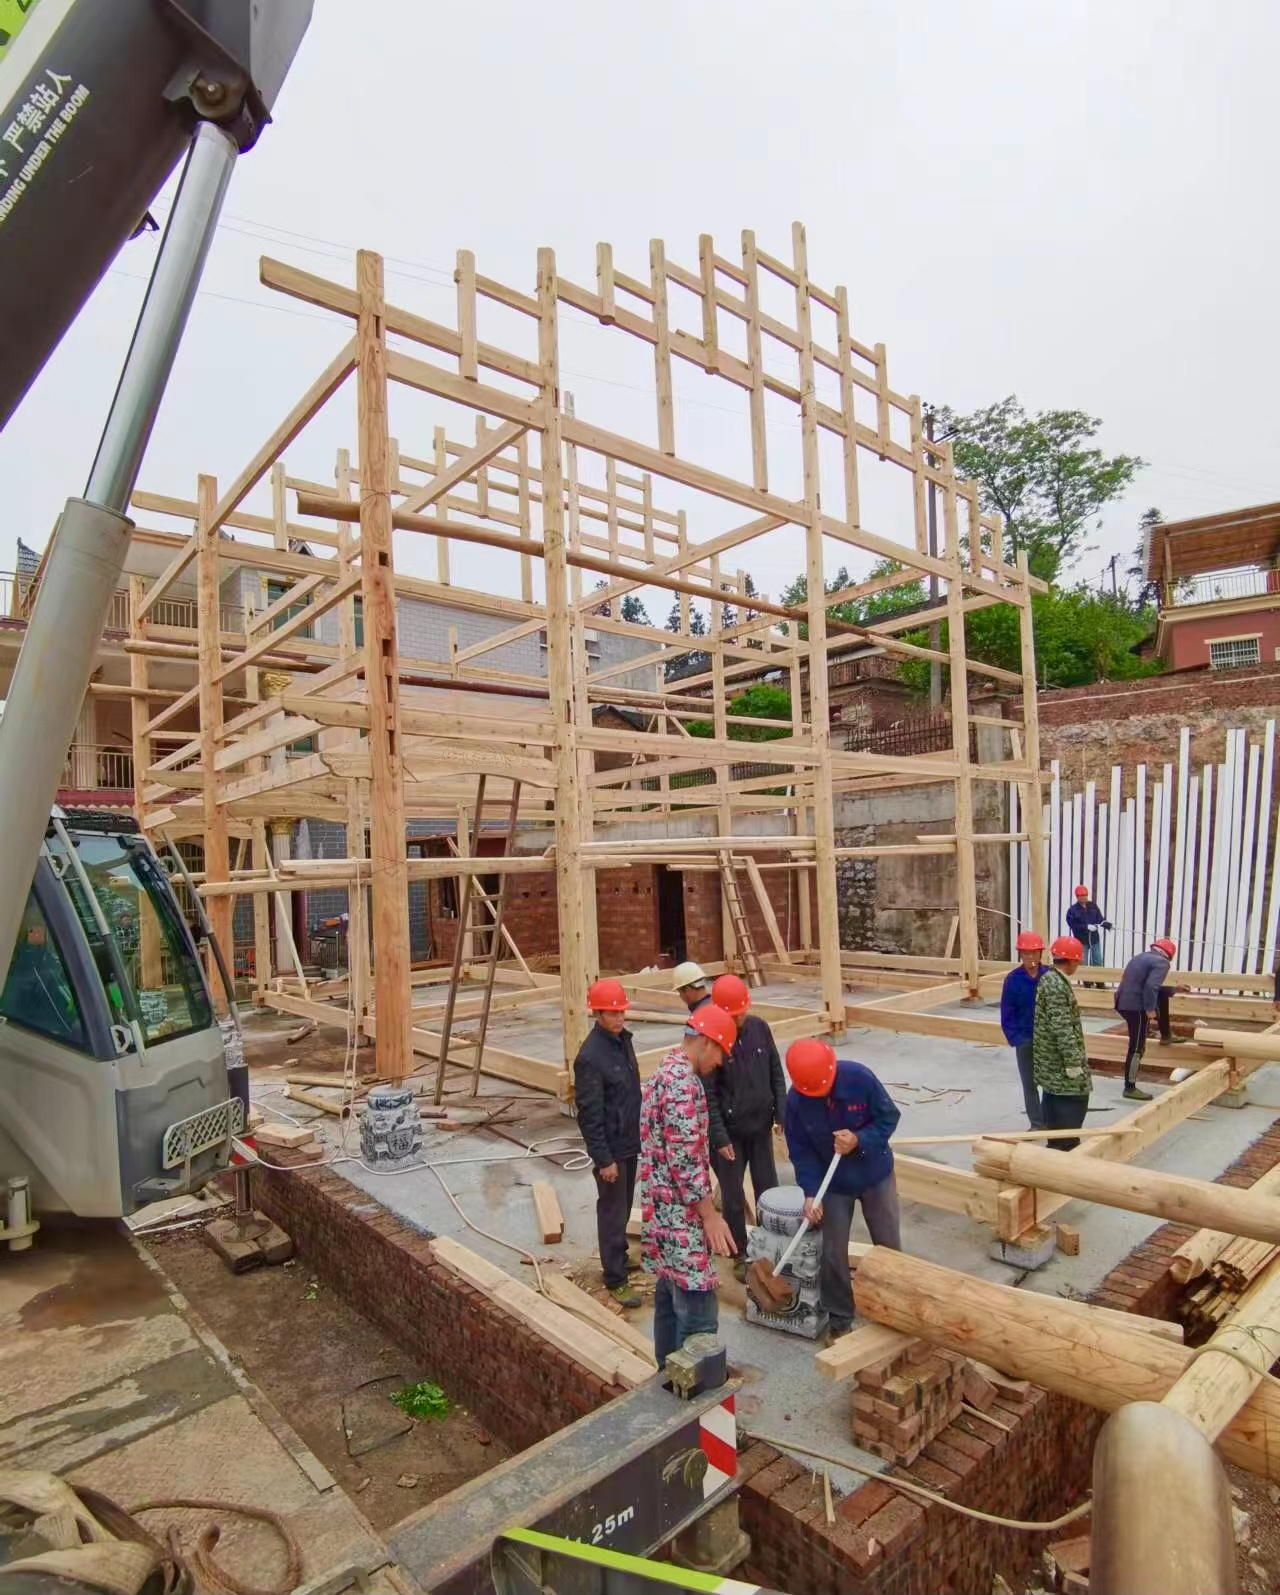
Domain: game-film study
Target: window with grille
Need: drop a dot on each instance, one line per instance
(1234, 651)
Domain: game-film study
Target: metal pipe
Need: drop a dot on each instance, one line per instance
(163, 317)
(88, 550)
(1162, 1520)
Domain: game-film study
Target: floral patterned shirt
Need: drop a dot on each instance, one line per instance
(674, 1176)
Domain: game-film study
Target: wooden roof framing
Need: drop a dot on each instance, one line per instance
(528, 483)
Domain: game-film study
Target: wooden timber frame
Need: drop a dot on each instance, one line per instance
(397, 738)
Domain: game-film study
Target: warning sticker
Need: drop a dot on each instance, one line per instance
(26, 143)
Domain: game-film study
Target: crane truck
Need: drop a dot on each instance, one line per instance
(116, 1088)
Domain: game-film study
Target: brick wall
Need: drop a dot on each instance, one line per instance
(703, 925)
(627, 917)
(1088, 729)
(520, 1388)
(1033, 1462)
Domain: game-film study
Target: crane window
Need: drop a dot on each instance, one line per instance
(38, 994)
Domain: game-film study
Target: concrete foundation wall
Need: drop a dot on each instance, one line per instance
(906, 904)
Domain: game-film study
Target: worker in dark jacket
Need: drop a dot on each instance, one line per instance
(606, 1088)
(1141, 995)
(1018, 1014)
(750, 1093)
(1086, 922)
(835, 1105)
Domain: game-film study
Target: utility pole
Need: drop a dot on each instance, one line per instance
(935, 630)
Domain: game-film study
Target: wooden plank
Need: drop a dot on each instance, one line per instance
(766, 910)
(854, 1352)
(547, 1205)
(564, 1293)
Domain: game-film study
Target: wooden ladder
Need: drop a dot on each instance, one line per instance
(480, 922)
(750, 959)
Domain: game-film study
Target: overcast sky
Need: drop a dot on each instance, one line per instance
(1075, 203)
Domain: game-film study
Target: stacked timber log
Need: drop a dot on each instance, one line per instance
(1217, 1293)
(1196, 1256)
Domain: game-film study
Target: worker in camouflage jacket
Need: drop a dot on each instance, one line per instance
(1059, 1059)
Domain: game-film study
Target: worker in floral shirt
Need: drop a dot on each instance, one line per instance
(1060, 1060)
(680, 1227)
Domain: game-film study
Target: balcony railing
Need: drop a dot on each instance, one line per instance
(1215, 586)
(90, 768)
(18, 596)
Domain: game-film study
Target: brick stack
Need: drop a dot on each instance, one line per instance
(901, 1402)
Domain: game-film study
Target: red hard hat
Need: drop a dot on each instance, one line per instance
(1167, 947)
(1067, 947)
(607, 996)
(1030, 941)
(811, 1063)
(715, 1024)
(1082, 891)
(731, 993)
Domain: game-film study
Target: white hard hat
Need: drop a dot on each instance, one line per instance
(687, 974)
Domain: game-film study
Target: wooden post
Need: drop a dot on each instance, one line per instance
(719, 712)
(1029, 794)
(1171, 1196)
(966, 878)
(581, 667)
(819, 706)
(356, 789)
(149, 950)
(262, 970)
(1028, 1335)
(389, 891)
(571, 900)
(217, 859)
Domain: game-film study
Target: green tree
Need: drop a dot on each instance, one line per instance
(1081, 636)
(686, 664)
(633, 610)
(860, 611)
(1041, 473)
(1147, 594)
(764, 701)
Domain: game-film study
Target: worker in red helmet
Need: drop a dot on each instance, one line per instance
(606, 1089)
(1018, 1016)
(1060, 1059)
(1143, 995)
(836, 1105)
(1086, 922)
(680, 1229)
(750, 1093)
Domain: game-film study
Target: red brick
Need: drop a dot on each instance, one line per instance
(866, 1502)
(895, 1525)
(773, 1478)
(968, 1444)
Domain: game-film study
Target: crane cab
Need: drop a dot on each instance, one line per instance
(115, 1089)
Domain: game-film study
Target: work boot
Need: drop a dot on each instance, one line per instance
(1135, 1093)
(625, 1295)
(837, 1332)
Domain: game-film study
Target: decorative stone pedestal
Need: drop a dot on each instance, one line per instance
(390, 1130)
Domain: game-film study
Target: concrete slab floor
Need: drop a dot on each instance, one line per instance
(104, 1379)
(942, 1087)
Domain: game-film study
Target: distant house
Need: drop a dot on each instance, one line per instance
(1218, 578)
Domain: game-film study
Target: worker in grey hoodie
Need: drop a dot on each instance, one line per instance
(1141, 996)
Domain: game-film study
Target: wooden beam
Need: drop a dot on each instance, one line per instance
(1028, 1335)
(217, 855)
(1137, 1190)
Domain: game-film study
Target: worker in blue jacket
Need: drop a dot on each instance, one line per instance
(1086, 922)
(1018, 1017)
(835, 1105)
